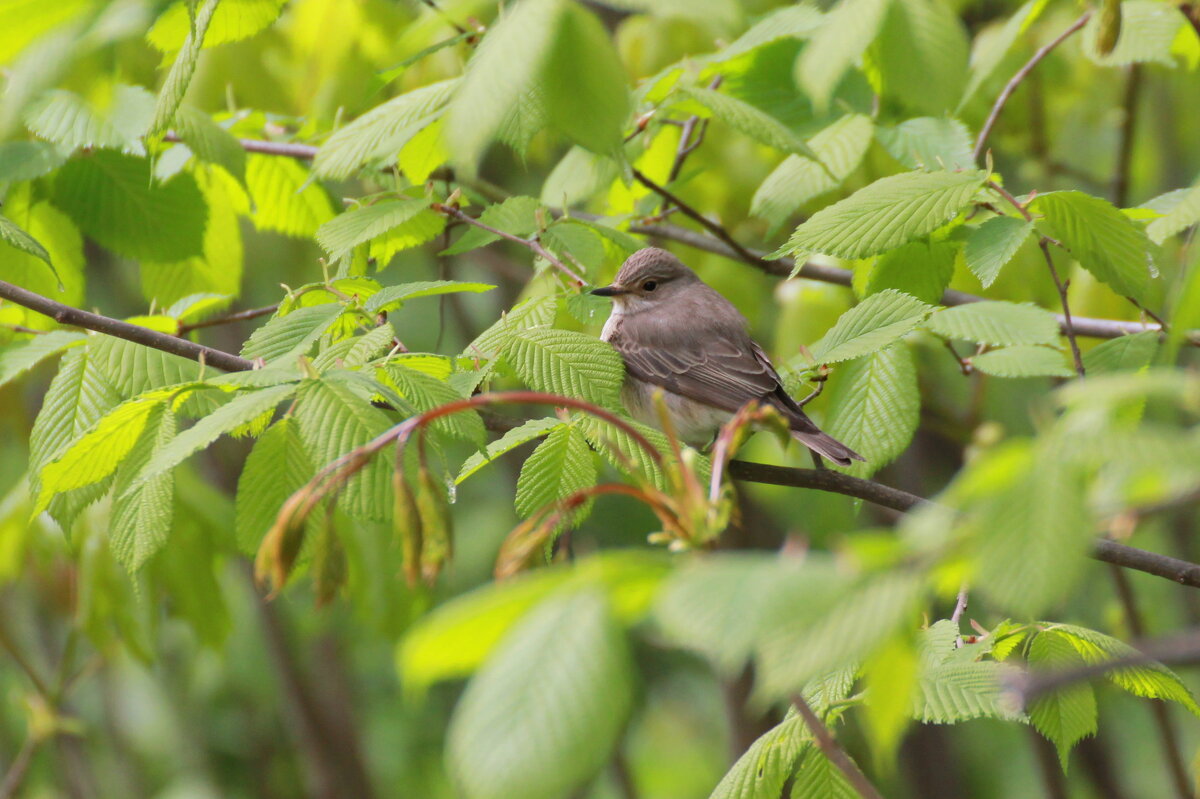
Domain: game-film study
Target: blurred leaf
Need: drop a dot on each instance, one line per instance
(542, 716)
(567, 363)
(1100, 237)
(21, 356)
(993, 244)
(72, 123)
(13, 235)
(921, 54)
(797, 21)
(991, 47)
(234, 20)
(996, 324)
(578, 176)
(1067, 715)
(1184, 213)
(284, 201)
(929, 143)
(114, 199)
(376, 137)
(1147, 30)
(886, 214)
(870, 326)
(26, 160)
(1122, 354)
(848, 30)
(424, 153)
(1023, 361)
(874, 407)
(756, 124)
(798, 179)
(210, 142)
(889, 681)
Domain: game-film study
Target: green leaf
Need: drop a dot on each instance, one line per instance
(180, 76)
(13, 235)
(134, 368)
(848, 30)
(580, 175)
(292, 334)
(285, 201)
(996, 324)
(1182, 215)
(1023, 361)
(584, 83)
(340, 235)
(534, 312)
(833, 628)
(560, 466)
(534, 428)
(238, 411)
(97, 453)
(505, 67)
(922, 269)
(1147, 35)
(798, 179)
(755, 123)
(798, 21)
(870, 326)
(516, 215)
(142, 510)
(393, 297)
(558, 690)
(929, 143)
(210, 142)
(27, 160)
(19, 357)
(375, 138)
(993, 244)
(334, 420)
(623, 452)
(874, 407)
(889, 212)
(73, 123)
(1122, 354)
(1067, 715)
(954, 692)
(1104, 241)
(567, 363)
(921, 56)
(763, 770)
(817, 778)
(235, 20)
(990, 50)
(426, 392)
(114, 199)
(277, 466)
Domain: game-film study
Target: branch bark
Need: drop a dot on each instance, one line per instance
(834, 752)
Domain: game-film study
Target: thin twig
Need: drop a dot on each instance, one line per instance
(833, 751)
(960, 605)
(1022, 73)
(239, 316)
(14, 651)
(23, 329)
(1162, 718)
(19, 768)
(66, 315)
(532, 243)
(1068, 327)
(1158, 319)
(782, 267)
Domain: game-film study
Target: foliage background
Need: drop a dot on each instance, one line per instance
(142, 660)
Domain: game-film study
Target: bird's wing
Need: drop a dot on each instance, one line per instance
(724, 371)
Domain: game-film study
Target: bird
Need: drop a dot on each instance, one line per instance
(678, 334)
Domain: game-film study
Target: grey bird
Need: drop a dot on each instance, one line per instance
(678, 334)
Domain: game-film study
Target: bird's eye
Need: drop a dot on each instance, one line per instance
(650, 285)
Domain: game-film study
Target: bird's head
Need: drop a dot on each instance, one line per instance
(647, 278)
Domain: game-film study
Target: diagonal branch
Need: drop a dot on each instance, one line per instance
(1016, 80)
(833, 751)
(532, 243)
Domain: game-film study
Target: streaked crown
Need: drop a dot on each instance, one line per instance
(653, 263)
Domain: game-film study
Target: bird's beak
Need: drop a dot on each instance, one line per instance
(610, 291)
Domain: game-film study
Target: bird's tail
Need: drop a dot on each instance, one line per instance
(827, 445)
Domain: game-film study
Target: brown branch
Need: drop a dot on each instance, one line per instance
(1067, 326)
(1133, 85)
(1022, 73)
(238, 316)
(532, 244)
(782, 267)
(302, 152)
(19, 768)
(66, 315)
(833, 751)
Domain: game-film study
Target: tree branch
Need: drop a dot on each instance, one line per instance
(834, 752)
(1083, 326)
(237, 316)
(66, 315)
(532, 244)
(1022, 73)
